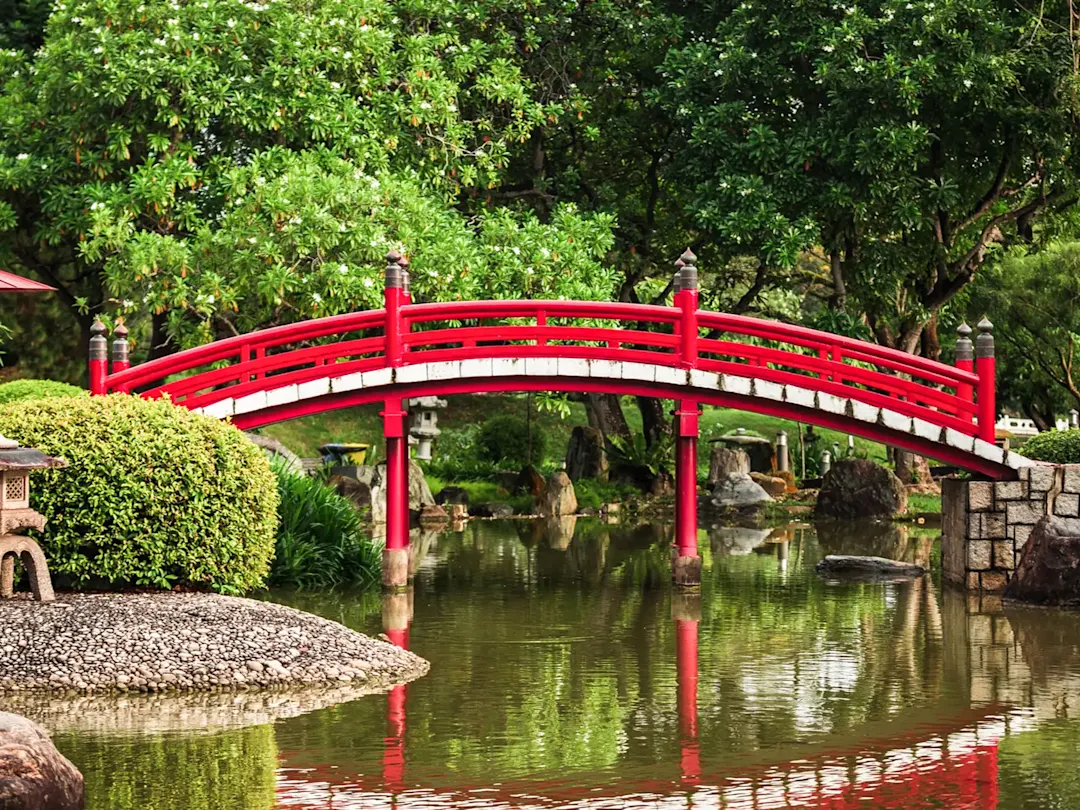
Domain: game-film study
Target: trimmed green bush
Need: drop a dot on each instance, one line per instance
(506, 438)
(321, 539)
(154, 495)
(36, 389)
(1058, 446)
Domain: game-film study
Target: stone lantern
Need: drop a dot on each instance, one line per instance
(424, 422)
(15, 514)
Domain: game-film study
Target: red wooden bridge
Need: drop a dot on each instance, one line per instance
(680, 352)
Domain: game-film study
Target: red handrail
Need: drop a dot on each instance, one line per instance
(670, 336)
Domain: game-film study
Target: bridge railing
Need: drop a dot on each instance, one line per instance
(680, 336)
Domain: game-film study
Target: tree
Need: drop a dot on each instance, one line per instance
(910, 140)
(135, 144)
(1035, 301)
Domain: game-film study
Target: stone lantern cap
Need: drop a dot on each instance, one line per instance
(740, 437)
(19, 459)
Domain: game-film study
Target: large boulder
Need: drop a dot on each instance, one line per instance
(419, 491)
(586, 456)
(738, 491)
(33, 774)
(452, 495)
(857, 488)
(1049, 569)
(559, 498)
(774, 485)
(725, 460)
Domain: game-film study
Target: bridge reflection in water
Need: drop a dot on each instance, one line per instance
(952, 763)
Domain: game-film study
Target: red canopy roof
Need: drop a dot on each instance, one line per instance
(11, 283)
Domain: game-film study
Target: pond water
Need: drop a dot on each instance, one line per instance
(566, 673)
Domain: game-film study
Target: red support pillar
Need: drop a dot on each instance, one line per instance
(686, 568)
(396, 553)
(99, 358)
(686, 611)
(987, 385)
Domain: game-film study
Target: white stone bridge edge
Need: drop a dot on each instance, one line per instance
(609, 369)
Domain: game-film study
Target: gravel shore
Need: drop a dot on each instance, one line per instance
(93, 643)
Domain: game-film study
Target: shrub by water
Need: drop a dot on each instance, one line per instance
(154, 495)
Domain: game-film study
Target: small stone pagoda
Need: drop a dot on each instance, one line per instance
(16, 463)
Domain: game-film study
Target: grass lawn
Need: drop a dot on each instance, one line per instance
(363, 424)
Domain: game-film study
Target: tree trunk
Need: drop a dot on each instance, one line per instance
(606, 415)
(653, 421)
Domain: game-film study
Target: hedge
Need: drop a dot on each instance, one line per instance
(154, 495)
(35, 389)
(1058, 446)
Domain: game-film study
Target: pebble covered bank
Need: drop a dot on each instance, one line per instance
(185, 642)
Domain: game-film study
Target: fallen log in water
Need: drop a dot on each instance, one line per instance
(873, 567)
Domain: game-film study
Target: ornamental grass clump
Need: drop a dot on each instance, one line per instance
(154, 495)
(321, 538)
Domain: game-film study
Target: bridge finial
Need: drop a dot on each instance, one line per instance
(394, 272)
(984, 343)
(964, 346)
(676, 285)
(405, 276)
(99, 347)
(688, 273)
(120, 344)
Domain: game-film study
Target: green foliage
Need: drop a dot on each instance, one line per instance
(1034, 302)
(321, 537)
(505, 438)
(483, 491)
(1057, 446)
(36, 389)
(280, 149)
(593, 493)
(909, 140)
(154, 495)
(635, 454)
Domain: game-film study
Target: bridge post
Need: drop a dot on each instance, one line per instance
(686, 299)
(99, 358)
(965, 360)
(987, 385)
(120, 360)
(396, 553)
(394, 296)
(686, 562)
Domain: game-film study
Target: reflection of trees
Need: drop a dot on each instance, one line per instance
(234, 769)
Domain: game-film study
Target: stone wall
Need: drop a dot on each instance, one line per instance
(986, 523)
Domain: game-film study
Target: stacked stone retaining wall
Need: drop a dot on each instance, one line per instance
(985, 524)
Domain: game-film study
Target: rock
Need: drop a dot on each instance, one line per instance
(774, 485)
(1049, 569)
(493, 510)
(276, 450)
(724, 460)
(855, 488)
(356, 491)
(419, 492)
(588, 511)
(586, 455)
(529, 482)
(558, 498)
(738, 491)
(33, 774)
(452, 495)
(789, 481)
(867, 567)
